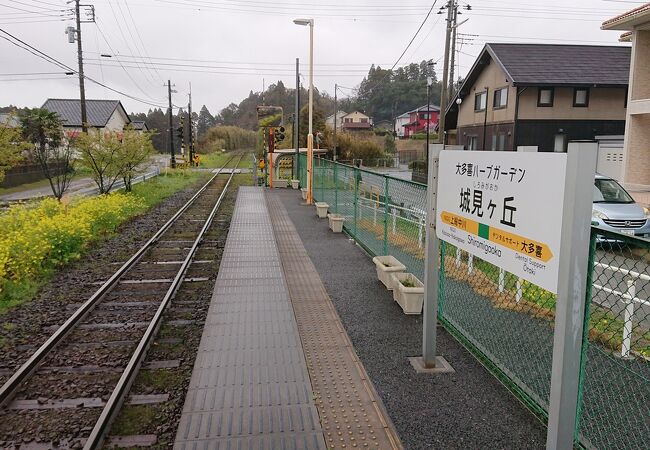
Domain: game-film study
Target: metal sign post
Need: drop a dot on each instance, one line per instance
(430, 362)
(572, 285)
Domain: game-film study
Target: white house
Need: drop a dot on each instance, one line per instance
(101, 114)
(329, 122)
(400, 121)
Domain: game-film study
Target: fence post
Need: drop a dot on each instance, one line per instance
(570, 308)
(519, 294)
(458, 256)
(470, 263)
(628, 318)
(394, 213)
(420, 234)
(336, 188)
(355, 171)
(386, 216)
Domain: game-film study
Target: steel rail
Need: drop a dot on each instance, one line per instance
(8, 390)
(121, 390)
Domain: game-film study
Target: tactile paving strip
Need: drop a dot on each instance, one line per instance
(250, 388)
(351, 413)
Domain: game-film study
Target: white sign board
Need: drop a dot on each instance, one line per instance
(505, 208)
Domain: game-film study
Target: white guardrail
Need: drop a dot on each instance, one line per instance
(629, 297)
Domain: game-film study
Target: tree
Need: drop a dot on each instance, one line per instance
(44, 130)
(134, 150)
(205, 122)
(389, 144)
(99, 152)
(12, 146)
(318, 124)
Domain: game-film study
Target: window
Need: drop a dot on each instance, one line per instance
(471, 142)
(494, 142)
(347, 120)
(502, 141)
(545, 97)
(364, 120)
(425, 116)
(480, 101)
(500, 98)
(581, 97)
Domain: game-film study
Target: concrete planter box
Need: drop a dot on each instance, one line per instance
(295, 184)
(280, 183)
(336, 222)
(409, 298)
(321, 209)
(387, 265)
(303, 191)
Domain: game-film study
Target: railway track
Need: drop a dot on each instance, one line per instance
(68, 393)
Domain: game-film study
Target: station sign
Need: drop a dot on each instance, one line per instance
(505, 208)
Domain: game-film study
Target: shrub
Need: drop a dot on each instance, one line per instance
(418, 166)
(41, 236)
(227, 138)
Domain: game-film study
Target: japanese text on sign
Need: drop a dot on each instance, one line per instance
(505, 209)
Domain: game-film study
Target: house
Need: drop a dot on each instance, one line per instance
(102, 114)
(400, 121)
(636, 153)
(356, 121)
(418, 119)
(329, 122)
(140, 125)
(540, 95)
(384, 125)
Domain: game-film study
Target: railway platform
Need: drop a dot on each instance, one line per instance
(303, 349)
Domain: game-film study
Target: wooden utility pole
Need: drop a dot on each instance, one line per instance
(171, 126)
(454, 32)
(445, 76)
(82, 87)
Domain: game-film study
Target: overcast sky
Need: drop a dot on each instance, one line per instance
(226, 48)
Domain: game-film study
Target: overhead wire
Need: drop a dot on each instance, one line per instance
(14, 40)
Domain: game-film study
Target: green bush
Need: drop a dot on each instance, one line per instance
(418, 166)
(227, 138)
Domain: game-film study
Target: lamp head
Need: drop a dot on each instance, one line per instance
(304, 22)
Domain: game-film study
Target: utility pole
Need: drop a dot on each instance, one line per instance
(296, 120)
(171, 126)
(445, 76)
(190, 137)
(336, 113)
(76, 34)
(454, 25)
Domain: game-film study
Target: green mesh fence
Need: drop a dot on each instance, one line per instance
(615, 405)
(508, 322)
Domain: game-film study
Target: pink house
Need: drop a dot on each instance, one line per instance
(418, 119)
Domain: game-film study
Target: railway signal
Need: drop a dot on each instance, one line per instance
(278, 135)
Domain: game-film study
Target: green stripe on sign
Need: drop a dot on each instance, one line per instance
(484, 231)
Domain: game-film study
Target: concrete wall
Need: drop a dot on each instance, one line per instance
(604, 104)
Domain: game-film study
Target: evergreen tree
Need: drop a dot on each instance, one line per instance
(205, 121)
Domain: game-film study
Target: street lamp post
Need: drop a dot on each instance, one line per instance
(310, 136)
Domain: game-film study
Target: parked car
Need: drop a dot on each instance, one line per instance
(615, 210)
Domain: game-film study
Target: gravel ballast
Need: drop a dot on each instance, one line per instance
(467, 409)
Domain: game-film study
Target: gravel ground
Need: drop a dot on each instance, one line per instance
(27, 323)
(467, 409)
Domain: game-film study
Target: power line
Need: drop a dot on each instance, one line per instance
(36, 52)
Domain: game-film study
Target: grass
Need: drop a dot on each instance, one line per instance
(408, 283)
(214, 160)
(133, 418)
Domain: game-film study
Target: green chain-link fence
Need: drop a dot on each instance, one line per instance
(507, 322)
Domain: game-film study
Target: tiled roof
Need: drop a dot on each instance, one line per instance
(432, 108)
(99, 112)
(557, 65)
(138, 125)
(632, 14)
